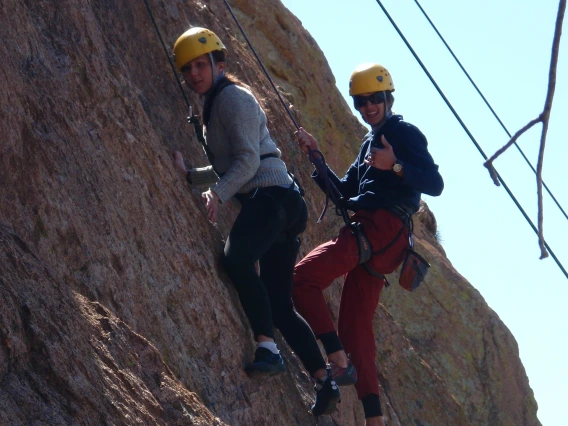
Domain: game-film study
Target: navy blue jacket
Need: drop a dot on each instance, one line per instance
(370, 188)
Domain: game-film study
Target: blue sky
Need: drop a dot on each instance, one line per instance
(505, 45)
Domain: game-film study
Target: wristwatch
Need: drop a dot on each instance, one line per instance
(397, 166)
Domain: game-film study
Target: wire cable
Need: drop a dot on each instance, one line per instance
(456, 115)
(489, 105)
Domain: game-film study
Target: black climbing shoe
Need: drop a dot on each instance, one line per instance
(265, 364)
(327, 396)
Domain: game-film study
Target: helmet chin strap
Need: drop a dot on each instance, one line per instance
(388, 108)
(216, 73)
(388, 113)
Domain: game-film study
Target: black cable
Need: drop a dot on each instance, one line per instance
(192, 119)
(468, 132)
(262, 65)
(488, 105)
(167, 54)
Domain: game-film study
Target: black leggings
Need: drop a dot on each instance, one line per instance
(266, 230)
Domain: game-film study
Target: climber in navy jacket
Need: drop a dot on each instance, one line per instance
(383, 188)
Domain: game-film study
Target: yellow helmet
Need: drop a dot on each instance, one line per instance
(195, 42)
(369, 78)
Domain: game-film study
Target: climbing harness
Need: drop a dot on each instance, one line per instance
(414, 267)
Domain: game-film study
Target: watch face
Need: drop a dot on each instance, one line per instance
(397, 167)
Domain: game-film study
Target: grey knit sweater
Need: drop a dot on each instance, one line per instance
(237, 136)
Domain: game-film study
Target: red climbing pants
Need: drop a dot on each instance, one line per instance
(360, 294)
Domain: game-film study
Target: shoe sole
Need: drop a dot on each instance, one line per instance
(330, 408)
(262, 373)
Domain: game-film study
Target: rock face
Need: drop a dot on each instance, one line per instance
(113, 308)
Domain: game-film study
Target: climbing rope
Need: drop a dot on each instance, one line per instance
(262, 65)
(456, 115)
(167, 54)
(192, 118)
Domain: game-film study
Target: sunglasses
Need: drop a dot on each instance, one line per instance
(375, 98)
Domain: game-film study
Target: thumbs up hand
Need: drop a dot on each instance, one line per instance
(381, 158)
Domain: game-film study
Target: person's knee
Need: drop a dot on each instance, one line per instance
(304, 286)
(234, 265)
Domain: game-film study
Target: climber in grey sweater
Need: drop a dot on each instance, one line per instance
(237, 117)
(246, 163)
